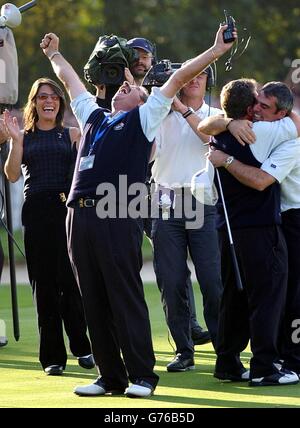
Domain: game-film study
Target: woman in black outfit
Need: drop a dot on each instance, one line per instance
(46, 151)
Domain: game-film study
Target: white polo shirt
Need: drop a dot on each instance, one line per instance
(180, 152)
(270, 135)
(284, 165)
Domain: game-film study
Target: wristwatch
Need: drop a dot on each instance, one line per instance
(228, 161)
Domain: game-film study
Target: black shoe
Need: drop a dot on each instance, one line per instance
(54, 370)
(283, 377)
(201, 337)
(180, 364)
(243, 376)
(87, 362)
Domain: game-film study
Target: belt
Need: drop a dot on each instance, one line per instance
(40, 197)
(86, 202)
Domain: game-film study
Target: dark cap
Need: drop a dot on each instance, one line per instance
(141, 43)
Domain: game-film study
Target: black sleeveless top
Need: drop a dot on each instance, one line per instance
(48, 157)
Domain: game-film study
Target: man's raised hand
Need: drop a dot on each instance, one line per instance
(50, 44)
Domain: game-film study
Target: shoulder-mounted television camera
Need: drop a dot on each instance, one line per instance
(160, 72)
(108, 60)
(163, 70)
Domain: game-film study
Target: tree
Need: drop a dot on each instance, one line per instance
(180, 28)
(77, 23)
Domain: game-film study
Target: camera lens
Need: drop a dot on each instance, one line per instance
(112, 74)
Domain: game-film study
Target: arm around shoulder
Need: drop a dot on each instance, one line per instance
(213, 125)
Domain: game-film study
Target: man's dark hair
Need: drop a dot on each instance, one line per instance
(282, 93)
(237, 96)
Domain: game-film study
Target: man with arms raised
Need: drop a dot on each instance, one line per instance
(106, 252)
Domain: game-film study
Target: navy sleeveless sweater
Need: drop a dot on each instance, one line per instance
(122, 150)
(246, 207)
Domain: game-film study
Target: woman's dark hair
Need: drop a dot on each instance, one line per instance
(30, 112)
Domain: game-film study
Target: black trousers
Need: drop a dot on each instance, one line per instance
(106, 257)
(172, 240)
(194, 324)
(55, 290)
(257, 312)
(289, 340)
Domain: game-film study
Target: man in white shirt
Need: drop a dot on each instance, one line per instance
(179, 154)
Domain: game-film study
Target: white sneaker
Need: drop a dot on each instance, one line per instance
(3, 341)
(283, 377)
(246, 375)
(90, 390)
(140, 389)
(3, 338)
(97, 388)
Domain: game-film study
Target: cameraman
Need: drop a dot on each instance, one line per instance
(134, 74)
(147, 56)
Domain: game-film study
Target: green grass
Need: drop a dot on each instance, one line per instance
(23, 384)
(18, 236)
